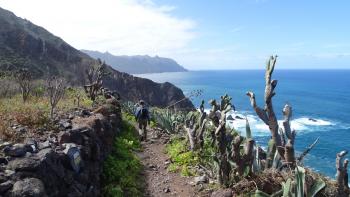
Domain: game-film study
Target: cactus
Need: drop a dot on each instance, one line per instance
(195, 127)
(282, 140)
(342, 173)
(217, 115)
(243, 161)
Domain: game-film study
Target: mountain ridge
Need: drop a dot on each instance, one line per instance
(137, 64)
(24, 44)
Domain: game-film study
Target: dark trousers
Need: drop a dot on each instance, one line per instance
(143, 129)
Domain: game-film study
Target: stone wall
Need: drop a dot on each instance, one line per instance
(65, 163)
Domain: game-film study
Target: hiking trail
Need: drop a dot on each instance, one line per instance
(160, 182)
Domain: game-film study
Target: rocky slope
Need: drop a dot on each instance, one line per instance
(138, 64)
(24, 44)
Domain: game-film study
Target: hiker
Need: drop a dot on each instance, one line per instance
(143, 118)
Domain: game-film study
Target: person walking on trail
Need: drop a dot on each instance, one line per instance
(143, 118)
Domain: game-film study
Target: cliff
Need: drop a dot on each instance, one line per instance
(24, 44)
(138, 64)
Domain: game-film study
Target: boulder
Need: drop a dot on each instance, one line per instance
(73, 153)
(66, 124)
(201, 179)
(5, 186)
(17, 150)
(238, 117)
(21, 130)
(3, 160)
(28, 187)
(229, 117)
(24, 164)
(222, 193)
(4, 145)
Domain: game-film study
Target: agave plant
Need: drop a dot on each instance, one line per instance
(129, 107)
(296, 188)
(167, 119)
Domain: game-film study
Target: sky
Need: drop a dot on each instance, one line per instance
(202, 34)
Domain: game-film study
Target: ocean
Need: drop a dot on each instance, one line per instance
(320, 100)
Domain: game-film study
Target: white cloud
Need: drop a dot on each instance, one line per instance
(119, 26)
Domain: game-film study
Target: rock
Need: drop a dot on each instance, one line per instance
(313, 120)
(238, 117)
(32, 145)
(3, 160)
(28, 187)
(66, 124)
(4, 145)
(71, 116)
(5, 186)
(43, 145)
(24, 164)
(3, 177)
(222, 193)
(166, 190)
(201, 179)
(229, 117)
(21, 130)
(85, 112)
(9, 173)
(17, 150)
(73, 153)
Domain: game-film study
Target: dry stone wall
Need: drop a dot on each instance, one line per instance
(67, 163)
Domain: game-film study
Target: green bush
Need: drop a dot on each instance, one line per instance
(181, 157)
(122, 167)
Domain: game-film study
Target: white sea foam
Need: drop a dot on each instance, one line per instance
(259, 128)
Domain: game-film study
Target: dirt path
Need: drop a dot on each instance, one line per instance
(160, 182)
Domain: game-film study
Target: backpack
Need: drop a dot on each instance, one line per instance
(143, 113)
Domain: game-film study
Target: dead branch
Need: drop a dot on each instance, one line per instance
(301, 157)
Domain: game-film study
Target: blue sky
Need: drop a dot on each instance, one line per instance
(305, 34)
(199, 34)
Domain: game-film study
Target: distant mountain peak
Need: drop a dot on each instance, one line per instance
(137, 64)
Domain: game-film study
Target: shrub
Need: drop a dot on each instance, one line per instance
(181, 157)
(122, 168)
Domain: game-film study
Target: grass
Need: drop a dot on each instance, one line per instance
(121, 174)
(35, 112)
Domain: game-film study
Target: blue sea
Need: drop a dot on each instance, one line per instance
(322, 95)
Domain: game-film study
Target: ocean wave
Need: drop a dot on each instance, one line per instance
(301, 124)
(259, 128)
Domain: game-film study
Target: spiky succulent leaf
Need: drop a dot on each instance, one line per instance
(259, 193)
(286, 186)
(300, 180)
(247, 129)
(316, 187)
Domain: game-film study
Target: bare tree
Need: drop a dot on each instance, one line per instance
(94, 76)
(24, 79)
(55, 90)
